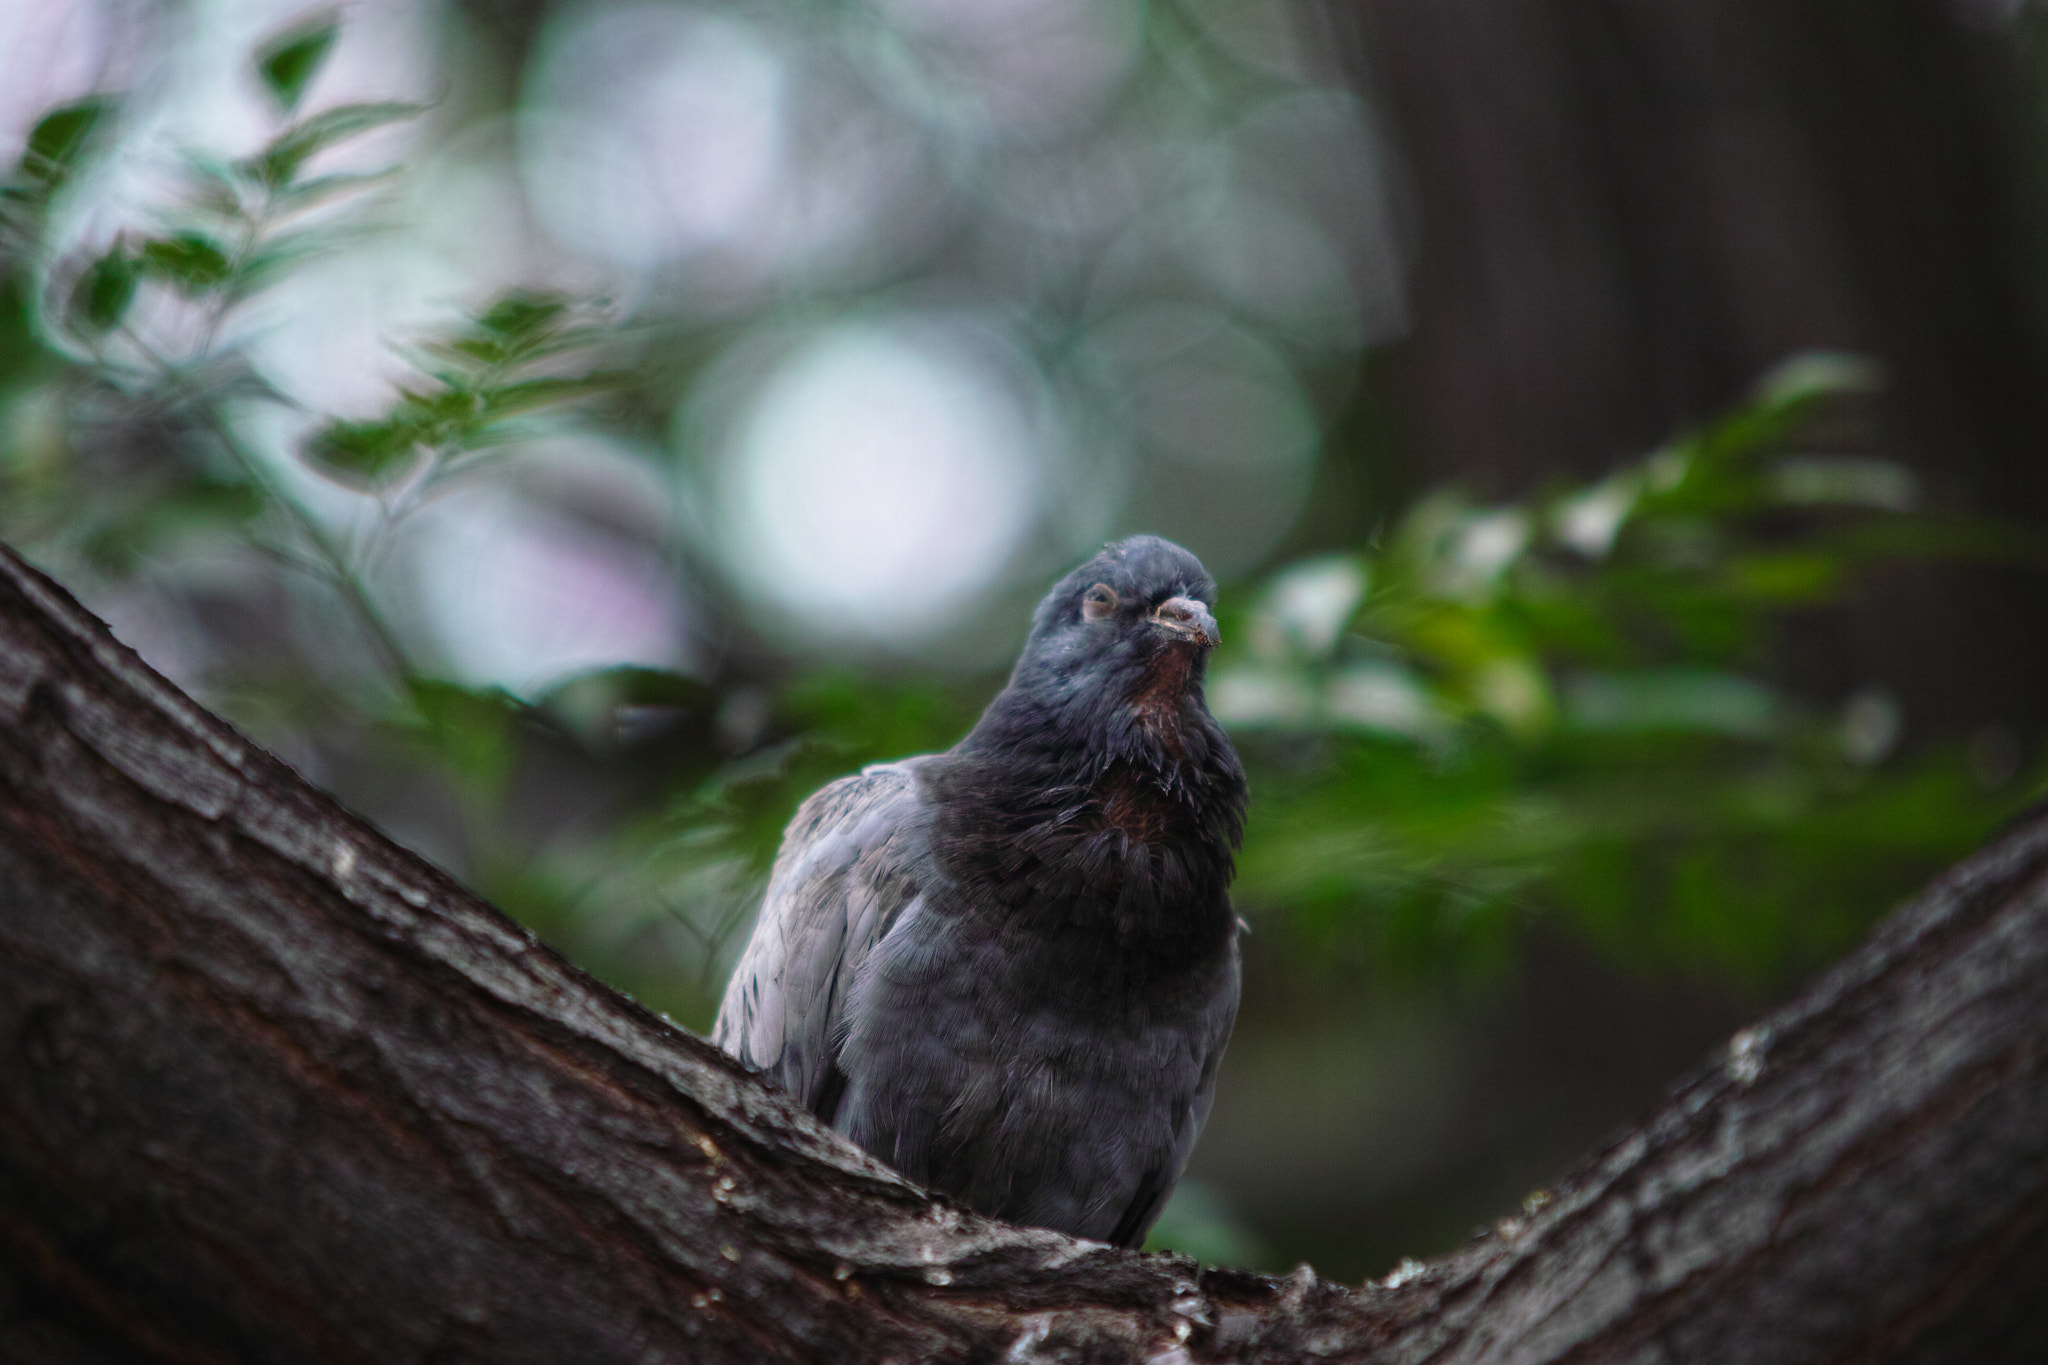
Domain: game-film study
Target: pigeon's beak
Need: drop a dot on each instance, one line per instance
(1188, 619)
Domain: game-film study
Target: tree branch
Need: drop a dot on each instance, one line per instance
(271, 1088)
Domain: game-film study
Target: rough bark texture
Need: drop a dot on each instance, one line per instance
(272, 1089)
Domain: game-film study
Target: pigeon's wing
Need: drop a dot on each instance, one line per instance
(845, 873)
(1149, 1199)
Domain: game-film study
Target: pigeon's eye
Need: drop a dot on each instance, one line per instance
(1099, 602)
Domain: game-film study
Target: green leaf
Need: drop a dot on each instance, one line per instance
(1845, 481)
(522, 317)
(444, 408)
(289, 61)
(507, 400)
(1790, 577)
(217, 187)
(362, 450)
(190, 260)
(1816, 374)
(321, 188)
(1698, 699)
(469, 730)
(103, 292)
(519, 327)
(59, 137)
(278, 164)
(282, 250)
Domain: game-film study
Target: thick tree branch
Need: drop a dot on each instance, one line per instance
(271, 1088)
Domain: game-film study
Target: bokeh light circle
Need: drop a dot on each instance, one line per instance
(653, 131)
(876, 475)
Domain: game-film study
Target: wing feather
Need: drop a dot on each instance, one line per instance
(847, 869)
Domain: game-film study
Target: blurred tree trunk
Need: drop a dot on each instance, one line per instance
(272, 1089)
(1624, 211)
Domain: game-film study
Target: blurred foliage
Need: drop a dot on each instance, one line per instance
(1567, 708)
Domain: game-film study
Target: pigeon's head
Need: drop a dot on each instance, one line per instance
(1140, 599)
(1102, 740)
(1126, 635)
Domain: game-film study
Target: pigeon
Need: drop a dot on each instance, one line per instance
(1009, 970)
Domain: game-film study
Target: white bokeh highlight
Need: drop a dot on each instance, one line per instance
(526, 582)
(1010, 69)
(877, 480)
(654, 131)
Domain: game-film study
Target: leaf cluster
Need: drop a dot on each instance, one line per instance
(247, 218)
(1575, 707)
(477, 391)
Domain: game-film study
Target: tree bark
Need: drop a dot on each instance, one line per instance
(273, 1089)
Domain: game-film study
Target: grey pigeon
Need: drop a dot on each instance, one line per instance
(1009, 970)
